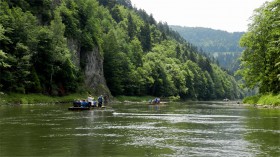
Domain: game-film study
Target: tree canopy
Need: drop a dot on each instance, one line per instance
(260, 60)
(139, 55)
(211, 40)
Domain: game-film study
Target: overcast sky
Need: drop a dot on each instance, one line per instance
(229, 15)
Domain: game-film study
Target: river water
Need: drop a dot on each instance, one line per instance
(174, 129)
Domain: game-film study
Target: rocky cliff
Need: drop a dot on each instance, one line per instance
(92, 68)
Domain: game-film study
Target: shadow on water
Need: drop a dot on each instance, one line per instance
(173, 129)
(263, 130)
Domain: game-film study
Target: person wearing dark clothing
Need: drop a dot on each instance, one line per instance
(84, 103)
(100, 101)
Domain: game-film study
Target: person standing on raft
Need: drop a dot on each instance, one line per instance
(100, 101)
(90, 100)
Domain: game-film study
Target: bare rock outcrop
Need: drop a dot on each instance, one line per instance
(93, 67)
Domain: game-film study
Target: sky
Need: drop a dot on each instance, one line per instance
(228, 15)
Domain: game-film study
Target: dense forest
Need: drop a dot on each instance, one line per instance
(211, 40)
(260, 61)
(57, 47)
(223, 46)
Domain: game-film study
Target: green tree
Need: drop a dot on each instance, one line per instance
(69, 14)
(3, 55)
(135, 52)
(145, 37)
(116, 14)
(42, 9)
(131, 27)
(260, 59)
(18, 44)
(111, 48)
(35, 85)
(199, 81)
(64, 72)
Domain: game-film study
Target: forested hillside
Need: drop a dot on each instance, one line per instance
(222, 45)
(211, 40)
(57, 47)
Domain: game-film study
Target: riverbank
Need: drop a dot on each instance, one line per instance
(260, 101)
(263, 101)
(14, 98)
(133, 99)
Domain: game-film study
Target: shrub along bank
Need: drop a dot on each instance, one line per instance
(264, 99)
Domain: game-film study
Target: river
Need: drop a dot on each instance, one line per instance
(174, 129)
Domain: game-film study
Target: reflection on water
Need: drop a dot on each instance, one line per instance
(175, 129)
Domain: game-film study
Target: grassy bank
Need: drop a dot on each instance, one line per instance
(267, 99)
(14, 98)
(37, 98)
(134, 98)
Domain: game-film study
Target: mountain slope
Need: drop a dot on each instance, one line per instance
(59, 47)
(222, 45)
(211, 40)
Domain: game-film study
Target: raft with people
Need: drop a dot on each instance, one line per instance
(155, 101)
(79, 105)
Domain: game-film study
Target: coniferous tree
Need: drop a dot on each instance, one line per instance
(145, 37)
(131, 28)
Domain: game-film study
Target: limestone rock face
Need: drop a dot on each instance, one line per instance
(94, 75)
(92, 65)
